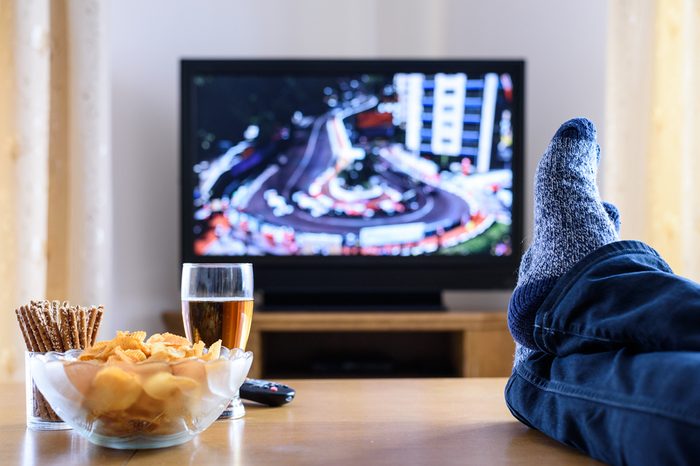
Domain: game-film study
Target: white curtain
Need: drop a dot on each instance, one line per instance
(652, 161)
(55, 162)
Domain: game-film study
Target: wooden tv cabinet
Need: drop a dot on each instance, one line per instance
(480, 343)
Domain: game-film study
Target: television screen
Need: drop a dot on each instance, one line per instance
(354, 180)
(408, 162)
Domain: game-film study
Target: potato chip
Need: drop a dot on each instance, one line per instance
(104, 350)
(144, 371)
(214, 351)
(136, 355)
(95, 351)
(192, 369)
(130, 347)
(198, 349)
(164, 385)
(130, 355)
(169, 339)
(120, 354)
(112, 389)
(81, 375)
(139, 335)
(132, 340)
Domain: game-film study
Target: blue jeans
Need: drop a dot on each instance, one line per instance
(617, 370)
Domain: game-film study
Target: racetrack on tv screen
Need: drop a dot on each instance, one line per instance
(407, 164)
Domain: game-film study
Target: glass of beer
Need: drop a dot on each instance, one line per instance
(217, 303)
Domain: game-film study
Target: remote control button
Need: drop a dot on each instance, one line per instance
(273, 389)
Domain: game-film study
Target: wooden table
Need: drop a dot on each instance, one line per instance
(359, 422)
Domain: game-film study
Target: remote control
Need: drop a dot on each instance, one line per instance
(266, 392)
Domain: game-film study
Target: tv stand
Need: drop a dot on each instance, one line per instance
(380, 344)
(400, 301)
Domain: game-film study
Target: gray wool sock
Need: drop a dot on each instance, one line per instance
(571, 221)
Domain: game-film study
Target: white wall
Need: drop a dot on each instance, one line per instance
(563, 43)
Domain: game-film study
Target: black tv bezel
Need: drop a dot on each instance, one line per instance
(367, 274)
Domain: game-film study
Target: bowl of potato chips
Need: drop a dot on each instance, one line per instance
(130, 392)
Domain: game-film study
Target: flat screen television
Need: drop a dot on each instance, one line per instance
(354, 182)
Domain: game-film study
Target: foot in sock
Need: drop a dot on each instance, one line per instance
(570, 222)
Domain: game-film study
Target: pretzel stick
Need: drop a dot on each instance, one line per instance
(35, 326)
(56, 313)
(24, 310)
(38, 317)
(54, 332)
(34, 304)
(27, 343)
(32, 322)
(39, 404)
(50, 413)
(92, 315)
(83, 328)
(29, 340)
(31, 344)
(39, 313)
(75, 332)
(42, 408)
(65, 328)
(98, 320)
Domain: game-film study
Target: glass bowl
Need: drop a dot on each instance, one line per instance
(148, 404)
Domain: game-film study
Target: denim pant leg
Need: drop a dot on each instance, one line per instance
(617, 374)
(623, 295)
(620, 407)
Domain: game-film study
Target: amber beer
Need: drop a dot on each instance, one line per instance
(210, 319)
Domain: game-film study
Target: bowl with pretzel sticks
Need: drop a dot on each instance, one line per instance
(54, 326)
